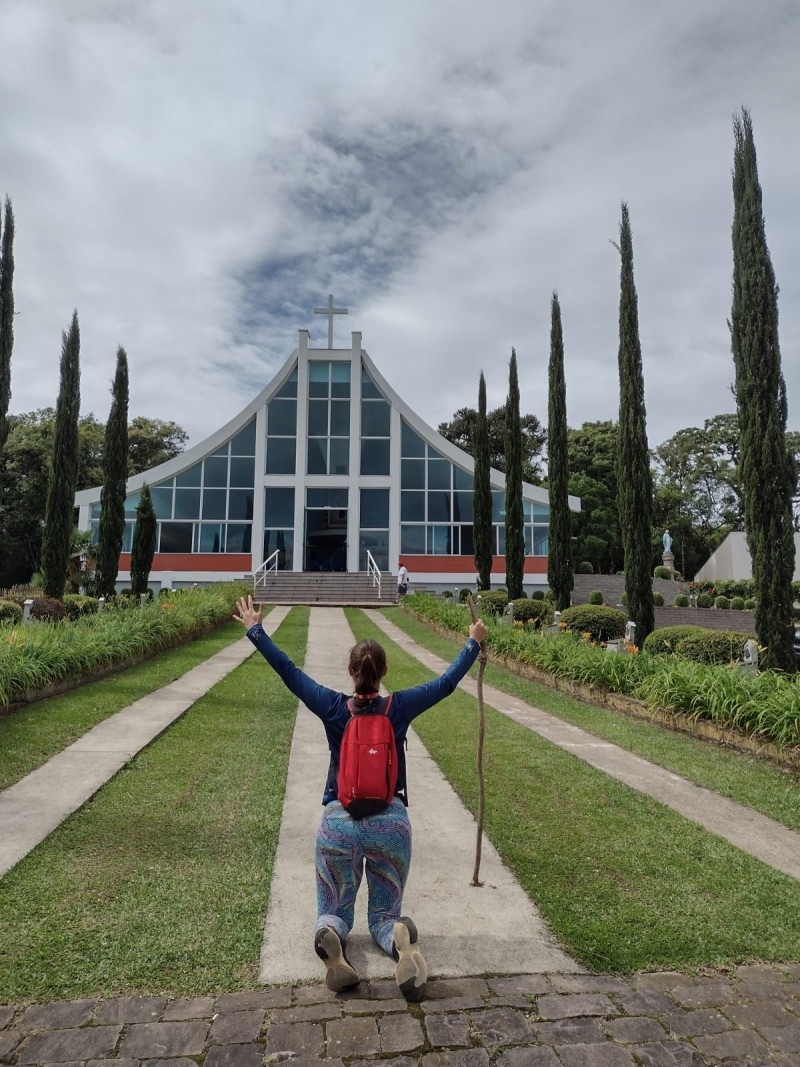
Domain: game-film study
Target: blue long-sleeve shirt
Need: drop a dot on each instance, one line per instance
(331, 706)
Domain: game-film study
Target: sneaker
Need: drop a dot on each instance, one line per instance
(411, 971)
(339, 974)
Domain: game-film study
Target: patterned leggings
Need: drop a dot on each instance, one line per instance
(345, 847)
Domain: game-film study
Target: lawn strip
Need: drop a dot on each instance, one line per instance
(625, 883)
(160, 885)
(31, 735)
(757, 783)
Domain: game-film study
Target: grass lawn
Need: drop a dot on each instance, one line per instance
(161, 883)
(31, 735)
(625, 883)
(758, 783)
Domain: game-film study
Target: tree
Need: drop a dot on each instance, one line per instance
(515, 530)
(460, 431)
(482, 499)
(144, 542)
(24, 474)
(634, 482)
(153, 441)
(60, 506)
(559, 554)
(6, 318)
(768, 471)
(115, 476)
(592, 453)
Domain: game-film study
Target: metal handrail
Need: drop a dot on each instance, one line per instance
(269, 564)
(374, 570)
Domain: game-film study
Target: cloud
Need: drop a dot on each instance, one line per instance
(195, 178)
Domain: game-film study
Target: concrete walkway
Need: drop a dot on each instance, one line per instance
(767, 840)
(464, 930)
(33, 807)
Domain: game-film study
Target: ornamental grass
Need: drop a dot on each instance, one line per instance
(38, 655)
(763, 705)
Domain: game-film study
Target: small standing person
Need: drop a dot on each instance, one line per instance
(379, 844)
(403, 580)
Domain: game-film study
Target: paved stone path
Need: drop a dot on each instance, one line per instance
(751, 1016)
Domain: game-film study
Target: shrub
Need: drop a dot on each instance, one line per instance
(47, 609)
(76, 606)
(658, 599)
(750, 604)
(704, 601)
(666, 640)
(663, 572)
(584, 567)
(737, 603)
(623, 599)
(722, 603)
(462, 595)
(536, 611)
(681, 600)
(596, 596)
(494, 601)
(710, 646)
(601, 623)
(537, 594)
(10, 612)
(550, 596)
(447, 593)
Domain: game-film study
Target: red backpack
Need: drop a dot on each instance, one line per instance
(368, 761)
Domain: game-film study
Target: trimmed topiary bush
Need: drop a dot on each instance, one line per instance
(584, 567)
(600, 622)
(10, 612)
(462, 595)
(538, 612)
(704, 601)
(658, 599)
(494, 602)
(537, 594)
(722, 603)
(623, 599)
(663, 572)
(710, 646)
(665, 641)
(47, 609)
(76, 606)
(750, 603)
(681, 600)
(596, 596)
(737, 603)
(550, 596)
(447, 593)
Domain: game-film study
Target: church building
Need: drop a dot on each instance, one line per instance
(325, 467)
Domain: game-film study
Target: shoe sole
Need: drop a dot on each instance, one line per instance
(411, 971)
(339, 974)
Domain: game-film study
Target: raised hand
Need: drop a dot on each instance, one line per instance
(247, 614)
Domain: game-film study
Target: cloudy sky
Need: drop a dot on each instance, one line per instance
(195, 176)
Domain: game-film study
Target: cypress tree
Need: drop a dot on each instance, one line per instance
(559, 554)
(482, 529)
(6, 318)
(768, 473)
(144, 542)
(634, 480)
(63, 482)
(115, 475)
(515, 533)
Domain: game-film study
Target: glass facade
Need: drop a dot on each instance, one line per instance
(207, 508)
(328, 417)
(436, 513)
(311, 498)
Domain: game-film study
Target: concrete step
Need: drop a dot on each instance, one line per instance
(326, 587)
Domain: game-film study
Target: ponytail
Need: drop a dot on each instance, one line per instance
(367, 667)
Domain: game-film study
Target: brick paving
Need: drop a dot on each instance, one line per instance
(747, 1016)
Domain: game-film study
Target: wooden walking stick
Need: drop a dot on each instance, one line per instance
(482, 658)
